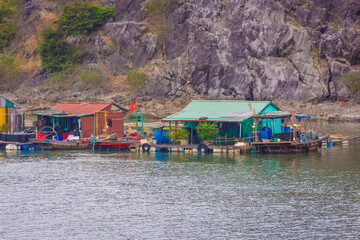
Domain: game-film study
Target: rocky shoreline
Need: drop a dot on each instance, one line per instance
(160, 107)
(327, 110)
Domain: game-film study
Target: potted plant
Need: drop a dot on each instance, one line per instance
(181, 135)
(207, 131)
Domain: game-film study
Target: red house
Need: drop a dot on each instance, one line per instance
(77, 118)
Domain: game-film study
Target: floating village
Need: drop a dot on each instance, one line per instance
(204, 126)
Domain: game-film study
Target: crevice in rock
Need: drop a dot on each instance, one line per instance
(331, 88)
(301, 80)
(251, 96)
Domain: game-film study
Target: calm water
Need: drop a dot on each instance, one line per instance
(81, 195)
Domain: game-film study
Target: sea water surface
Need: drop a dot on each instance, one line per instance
(85, 195)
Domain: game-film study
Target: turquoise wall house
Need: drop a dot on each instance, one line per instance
(234, 118)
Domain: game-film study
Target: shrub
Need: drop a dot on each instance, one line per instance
(8, 62)
(135, 78)
(81, 18)
(207, 131)
(91, 77)
(56, 54)
(154, 7)
(78, 18)
(7, 28)
(352, 80)
(56, 77)
(10, 75)
(315, 51)
(180, 134)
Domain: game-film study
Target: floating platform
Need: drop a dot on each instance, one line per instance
(189, 148)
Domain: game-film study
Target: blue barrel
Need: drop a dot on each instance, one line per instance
(165, 137)
(264, 134)
(158, 136)
(59, 138)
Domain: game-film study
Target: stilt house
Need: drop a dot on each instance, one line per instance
(234, 118)
(77, 118)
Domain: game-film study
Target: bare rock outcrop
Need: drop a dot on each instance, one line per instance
(232, 49)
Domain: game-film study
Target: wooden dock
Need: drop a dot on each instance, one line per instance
(189, 148)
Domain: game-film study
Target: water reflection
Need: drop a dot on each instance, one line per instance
(86, 195)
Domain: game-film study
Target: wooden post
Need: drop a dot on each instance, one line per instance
(254, 130)
(240, 130)
(97, 126)
(93, 141)
(169, 129)
(105, 125)
(136, 120)
(142, 123)
(192, 134)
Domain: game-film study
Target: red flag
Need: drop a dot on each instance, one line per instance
(133, 106)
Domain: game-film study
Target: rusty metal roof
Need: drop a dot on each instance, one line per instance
(75, 108)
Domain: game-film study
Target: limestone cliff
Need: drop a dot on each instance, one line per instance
(223, 49)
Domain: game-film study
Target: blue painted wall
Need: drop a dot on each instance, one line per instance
(274, 124)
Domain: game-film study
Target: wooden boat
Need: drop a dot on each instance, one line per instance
(289, 146)
(292, 141)
(111, 145)
(46, 144)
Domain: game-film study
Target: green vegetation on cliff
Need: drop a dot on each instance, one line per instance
(56, 54)
(352, 80)
(155, 13)
(136, 78)
(8, 69)
(7, 28)
(77, 19)
(82, 18)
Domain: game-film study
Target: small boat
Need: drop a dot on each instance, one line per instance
(111, 145)
(288, 146)
(46, 144)
(290, 141)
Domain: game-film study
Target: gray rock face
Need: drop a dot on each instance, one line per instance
(242, 49)
(30, 7)
(129, 10)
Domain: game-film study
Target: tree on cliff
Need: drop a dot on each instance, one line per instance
(82, 18)
(56, 54)
(77, 19)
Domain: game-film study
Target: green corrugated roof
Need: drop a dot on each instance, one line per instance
(10, 103)
(59, 113)
(213, 110)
